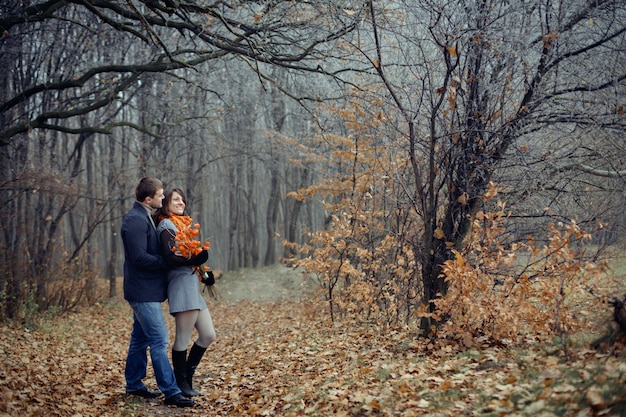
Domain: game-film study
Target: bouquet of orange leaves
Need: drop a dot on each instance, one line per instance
(188, 245)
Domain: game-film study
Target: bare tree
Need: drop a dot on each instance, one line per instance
(177, 36)
(452, 87)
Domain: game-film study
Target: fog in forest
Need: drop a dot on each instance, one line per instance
(306, 133)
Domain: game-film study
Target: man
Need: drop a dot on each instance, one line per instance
(145, 288)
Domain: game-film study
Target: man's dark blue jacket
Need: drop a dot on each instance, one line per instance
(145, 278)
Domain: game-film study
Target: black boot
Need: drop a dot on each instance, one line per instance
(179, 360)
(195, 354)
(179, 401)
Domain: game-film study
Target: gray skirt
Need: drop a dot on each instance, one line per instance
(183, 290)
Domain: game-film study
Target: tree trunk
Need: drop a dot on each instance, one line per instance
(272, 216)
(294, 214)
(252, 239)
(114, 187)
(233, 218)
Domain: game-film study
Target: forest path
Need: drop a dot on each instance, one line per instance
(277, 283)
(74, 365)
(278, 354)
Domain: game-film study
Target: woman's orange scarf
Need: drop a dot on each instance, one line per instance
(187, 236)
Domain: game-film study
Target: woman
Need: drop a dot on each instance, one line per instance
(186, 303)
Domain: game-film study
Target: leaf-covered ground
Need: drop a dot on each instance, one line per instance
(277, 355)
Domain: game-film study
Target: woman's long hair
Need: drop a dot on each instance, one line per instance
(164, 211)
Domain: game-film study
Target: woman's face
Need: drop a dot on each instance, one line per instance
(176, 204)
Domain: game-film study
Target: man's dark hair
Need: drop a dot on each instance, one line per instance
(147, 187)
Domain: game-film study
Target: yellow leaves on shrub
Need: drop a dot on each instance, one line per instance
(509, 293)
(362, 278)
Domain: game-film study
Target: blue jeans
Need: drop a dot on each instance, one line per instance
(149, 330)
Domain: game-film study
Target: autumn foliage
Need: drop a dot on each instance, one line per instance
(370, 257)
(504, 291)
(285, 358)
(520, 290)
(187, 239)
(364, 258)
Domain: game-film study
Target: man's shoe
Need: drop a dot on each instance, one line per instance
(179, 401)
(144, 392)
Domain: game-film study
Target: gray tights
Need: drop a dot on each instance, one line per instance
(185, 323)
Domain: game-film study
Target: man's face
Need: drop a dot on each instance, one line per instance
(156, 201)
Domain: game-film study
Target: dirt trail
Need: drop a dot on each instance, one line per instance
(277, 353)
(73, 365)
(276, 283)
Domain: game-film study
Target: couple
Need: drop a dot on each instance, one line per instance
(152, 273)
